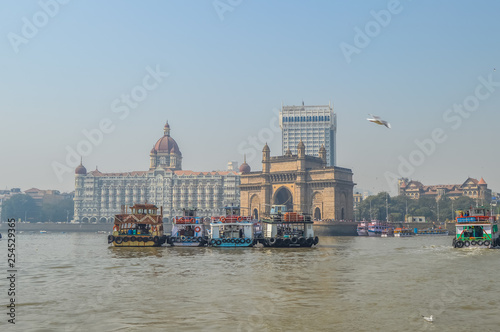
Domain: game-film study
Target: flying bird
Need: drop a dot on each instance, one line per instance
(429, 319)
(378, 120)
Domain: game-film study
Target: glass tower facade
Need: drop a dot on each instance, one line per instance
(314, 125)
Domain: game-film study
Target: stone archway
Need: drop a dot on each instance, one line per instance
(255, 214)
(254, 205)
(283, 196)
(317, 213)
(102, 220)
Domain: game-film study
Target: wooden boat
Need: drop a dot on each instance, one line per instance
(142, 227)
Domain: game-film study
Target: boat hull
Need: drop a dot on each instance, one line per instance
(137, 241)
(232, 242)
(433, 234)
(402, 235)
(280, 242)
(187, 244)
(374, 233)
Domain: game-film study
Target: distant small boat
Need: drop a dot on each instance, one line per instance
(375, 228)
(43, 232)
(362, 228)
(388, 232)
(403, 232)
(432, 231)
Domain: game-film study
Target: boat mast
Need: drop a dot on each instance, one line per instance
(386, 208)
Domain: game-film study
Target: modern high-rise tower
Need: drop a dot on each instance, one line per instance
(314, 125)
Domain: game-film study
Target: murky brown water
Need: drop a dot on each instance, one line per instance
(75, 282)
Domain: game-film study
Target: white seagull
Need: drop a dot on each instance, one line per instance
(378, 120)
(429, 319)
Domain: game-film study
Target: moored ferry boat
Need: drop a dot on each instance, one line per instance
(375, 228)
(431, 231)
(188, 230)
(232, 230)
(476, 227)
(403, 232)
(388, 232)
(142, 227)
(288, 229)
(362, 228)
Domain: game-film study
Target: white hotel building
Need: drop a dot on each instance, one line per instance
(99, 196)
(314, 125)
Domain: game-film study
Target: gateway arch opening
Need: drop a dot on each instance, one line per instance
(284, 197)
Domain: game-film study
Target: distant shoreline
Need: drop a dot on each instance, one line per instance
(55, 227)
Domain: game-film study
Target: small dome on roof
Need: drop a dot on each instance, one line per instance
(245, 168)
(81, 170)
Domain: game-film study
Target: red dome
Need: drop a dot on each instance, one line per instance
(167, 144)
(81, 170)
(245, 168)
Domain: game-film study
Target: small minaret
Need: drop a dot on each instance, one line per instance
(301, 149)
(322, 154)
(301, 152)
(152, 159)
(266, 152)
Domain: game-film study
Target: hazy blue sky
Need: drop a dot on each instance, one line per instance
(230, 63)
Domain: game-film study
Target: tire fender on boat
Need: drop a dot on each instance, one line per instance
(466, 243)
(487, 243)
(218, 242)
(272, 241)
(118, 240)
(125, 239)
(156, 239)
(459, 244)
(110, 238)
